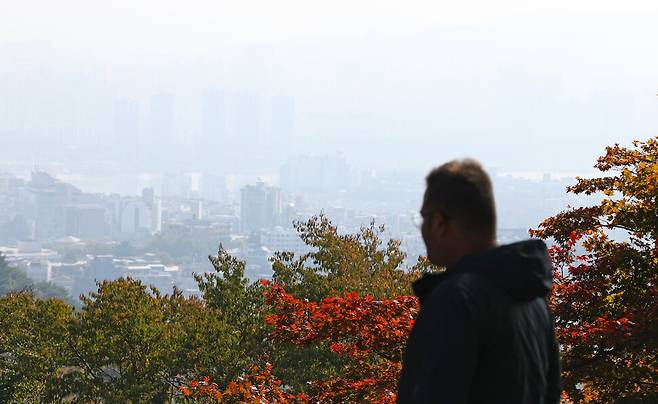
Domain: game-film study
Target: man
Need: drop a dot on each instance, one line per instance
(484, 333)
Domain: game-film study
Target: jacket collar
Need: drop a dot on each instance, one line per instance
(423, 286)
(426, 283)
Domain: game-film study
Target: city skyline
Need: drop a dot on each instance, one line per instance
(176, 133)
(504, 86)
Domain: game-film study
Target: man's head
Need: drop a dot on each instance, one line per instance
(458, 212)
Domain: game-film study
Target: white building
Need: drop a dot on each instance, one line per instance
(160, 276)
(280, 239)
(156, 217)
(136, 217)
(30, 257)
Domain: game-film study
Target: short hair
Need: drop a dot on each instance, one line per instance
(462, 190)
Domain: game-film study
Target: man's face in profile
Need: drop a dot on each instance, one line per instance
(433, 232)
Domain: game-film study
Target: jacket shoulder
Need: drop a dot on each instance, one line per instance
(467, 290)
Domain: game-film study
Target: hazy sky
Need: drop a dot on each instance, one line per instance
(521, 84)
(175, 26)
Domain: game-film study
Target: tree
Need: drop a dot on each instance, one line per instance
(313, 292)
(605, 300)
(33, 348)
(12, 279)
(241, 306)
(359, 263)
(340, 263)
(130, 342)
(16, 280)
(371, 333)
(120, 344)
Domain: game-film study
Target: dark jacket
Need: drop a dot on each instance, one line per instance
(484, 333)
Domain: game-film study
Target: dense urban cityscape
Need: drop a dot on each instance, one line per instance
(59, 233)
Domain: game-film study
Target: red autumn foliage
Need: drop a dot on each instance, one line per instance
(258, 386)
(604, 320)
(372, 333)
(577, 289)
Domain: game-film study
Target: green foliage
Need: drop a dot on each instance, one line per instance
(128, 343)
(133, 342)
(341, 263)
(241, 306)
(16, 280)
(12, 279)
(33, 347)
(119, 341)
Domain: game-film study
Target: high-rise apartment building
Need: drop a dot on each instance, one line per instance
(126, 125)
(246, 117)
(49, 197)
(86, 221)
(213, 118)
(162, 120)
(260, 207)
(135, 217)
(315, 173)
(282, 119)
(176, 185)
(155, 205)
(213, 187)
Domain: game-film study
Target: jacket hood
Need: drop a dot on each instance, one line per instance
(522, 269)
